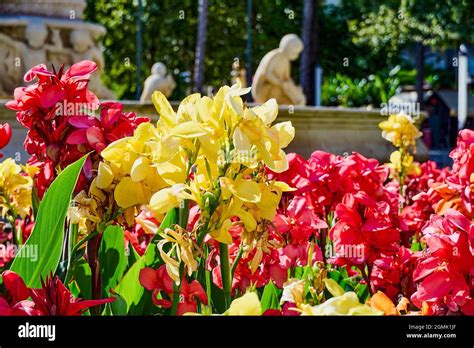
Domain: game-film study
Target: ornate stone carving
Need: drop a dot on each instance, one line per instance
(28, 39)
(273, 76)
(158, 81)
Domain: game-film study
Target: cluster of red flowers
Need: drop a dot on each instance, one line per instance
(58, 112)
(398, 244)
(413, 244)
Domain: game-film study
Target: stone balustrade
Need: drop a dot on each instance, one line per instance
(332, 129)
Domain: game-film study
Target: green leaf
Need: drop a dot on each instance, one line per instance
(112, 258)
(133, 256)
(271, 297)
(74, 288)
(130, 290)
(362, 292)
(134, 295)
(336, 275)
(48, 234)
(81, 274)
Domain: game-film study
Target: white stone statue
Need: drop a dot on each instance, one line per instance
(84, 49)
(158, 81)
(273, 76)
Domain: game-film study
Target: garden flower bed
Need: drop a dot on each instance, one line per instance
(204, 213)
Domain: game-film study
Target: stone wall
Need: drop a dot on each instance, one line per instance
(336, 130)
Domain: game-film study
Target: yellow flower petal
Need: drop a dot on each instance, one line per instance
(129, 193)
(286, 133)
(279, 165)
(267, 112)
(140, 169)
(333, 287)
(248, 304)
(105, 176)
(222, 234)
(189, 129)
(246, 190)
(165, 110)
(166, 199)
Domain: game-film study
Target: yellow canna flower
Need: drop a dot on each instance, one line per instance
(405, 165)
(400, 130)
(248, 304)
(168, 198)
(346, 304)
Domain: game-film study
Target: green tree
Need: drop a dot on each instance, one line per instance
(396, 25)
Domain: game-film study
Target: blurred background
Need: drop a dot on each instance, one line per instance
(367, 49)
(365, 54)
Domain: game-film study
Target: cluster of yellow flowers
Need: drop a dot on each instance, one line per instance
(211, 151)
(16, 185)
(400, 130)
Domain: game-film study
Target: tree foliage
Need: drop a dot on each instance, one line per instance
(356, 39)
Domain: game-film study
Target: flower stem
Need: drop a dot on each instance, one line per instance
(93, 245)
(366, 277)
(177, 290)
(236, 262)
(225, 273)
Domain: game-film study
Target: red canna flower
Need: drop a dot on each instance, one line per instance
(15, 302)
(52, 299)
(364, 231)
(159, 282)
(445, 272)
(112, 125)
(58, 112)
(458, 189)
(55, 299)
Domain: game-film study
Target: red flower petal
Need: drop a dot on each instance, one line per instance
(81, 69)
(148, 278)
(15, 286)
(5, 135)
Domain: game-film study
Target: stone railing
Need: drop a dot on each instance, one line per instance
(336, 130)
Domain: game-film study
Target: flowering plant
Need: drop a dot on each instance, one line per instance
(203, 212)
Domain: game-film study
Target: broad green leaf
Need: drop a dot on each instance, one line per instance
(270, 298)
(129, 288)
(47, 237)
(112, 258)
(81, 275)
